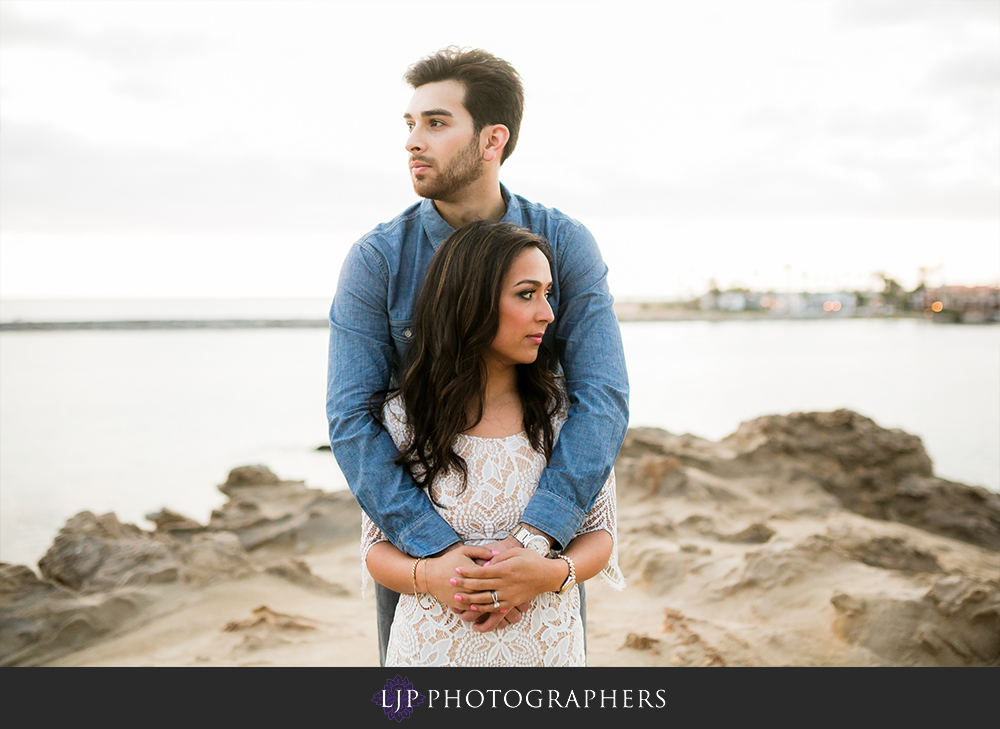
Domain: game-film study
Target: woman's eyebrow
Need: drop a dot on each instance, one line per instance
(528, 281)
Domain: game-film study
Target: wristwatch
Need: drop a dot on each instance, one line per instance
(570, 578)
(534, 542)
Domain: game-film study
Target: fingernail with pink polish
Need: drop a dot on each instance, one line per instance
(494, 551)
(453, 581)
(458, 570)
(473, 608)
(458, 598)
(504, 610)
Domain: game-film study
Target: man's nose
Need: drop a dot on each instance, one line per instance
(415, 142)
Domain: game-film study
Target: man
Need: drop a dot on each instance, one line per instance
(464, 117)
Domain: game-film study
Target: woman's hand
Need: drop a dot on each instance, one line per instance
(516, 575)
(438, 576)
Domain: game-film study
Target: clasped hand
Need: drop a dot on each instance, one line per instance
(464, 577)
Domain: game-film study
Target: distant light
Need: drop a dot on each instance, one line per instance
(836, 306)
(937, 306)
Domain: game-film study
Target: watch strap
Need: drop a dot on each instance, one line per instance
(523, 536)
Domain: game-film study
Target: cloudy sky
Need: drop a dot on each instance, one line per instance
(196, 148)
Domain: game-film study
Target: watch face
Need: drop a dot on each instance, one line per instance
(538, 544)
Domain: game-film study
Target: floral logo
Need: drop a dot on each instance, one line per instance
(398, 698)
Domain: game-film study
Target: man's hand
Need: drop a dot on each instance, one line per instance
(485, 622)
(511, 543)
(503, 545)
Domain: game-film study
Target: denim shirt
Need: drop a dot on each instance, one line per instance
(370, 322)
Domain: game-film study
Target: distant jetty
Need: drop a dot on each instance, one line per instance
(47, 326)
(626, 311)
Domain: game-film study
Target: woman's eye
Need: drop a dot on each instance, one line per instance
(526, 295)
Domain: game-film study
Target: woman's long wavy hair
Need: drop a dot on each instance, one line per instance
(456, 319)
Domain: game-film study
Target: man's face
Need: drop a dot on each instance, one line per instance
(445, 157)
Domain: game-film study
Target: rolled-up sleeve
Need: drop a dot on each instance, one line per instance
(589, 345)
(359, 364)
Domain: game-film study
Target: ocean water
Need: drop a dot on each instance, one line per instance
(134, 421)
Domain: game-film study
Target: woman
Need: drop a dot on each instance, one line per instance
(475, 419)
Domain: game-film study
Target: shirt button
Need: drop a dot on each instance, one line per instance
(407, 333)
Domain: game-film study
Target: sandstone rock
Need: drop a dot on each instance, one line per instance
(264, 616)
(248, 476)
(264, 510)
(91, 583)
(40, 619)
(754, 534)
(955, 623)
(175, 524)
(91, 575)
(98, 553)
(876, 472)
(298, 572)
(956, 510)
(650, 475)
(773, 567)
(658, 567)
(213, 557)
(893, 553)
(692, 648)
(640, 642)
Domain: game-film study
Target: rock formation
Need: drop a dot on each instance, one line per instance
(100, 574)
(802, 539)
(837, 517)
(872, 471)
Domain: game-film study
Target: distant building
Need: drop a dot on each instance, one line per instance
(840, 303)
(731, 301)
(783, 304)
(963, 303)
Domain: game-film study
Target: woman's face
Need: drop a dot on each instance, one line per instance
(524, 309)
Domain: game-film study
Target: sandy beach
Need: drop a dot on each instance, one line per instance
(815, 539)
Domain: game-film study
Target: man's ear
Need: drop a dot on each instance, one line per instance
(494, 139)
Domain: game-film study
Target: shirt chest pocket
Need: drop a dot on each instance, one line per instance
(402, 334)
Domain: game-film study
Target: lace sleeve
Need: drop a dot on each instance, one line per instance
(395, 422)
(370, 536)
(602, 516)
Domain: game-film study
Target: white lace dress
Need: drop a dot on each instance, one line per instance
(502, 476)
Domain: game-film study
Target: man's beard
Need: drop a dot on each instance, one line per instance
(465, 169)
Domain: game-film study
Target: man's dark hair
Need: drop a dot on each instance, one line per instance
(493, 91)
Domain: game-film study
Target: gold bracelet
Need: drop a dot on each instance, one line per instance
(570, 580)
(413, 576)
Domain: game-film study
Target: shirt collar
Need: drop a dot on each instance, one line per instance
(437, 229)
